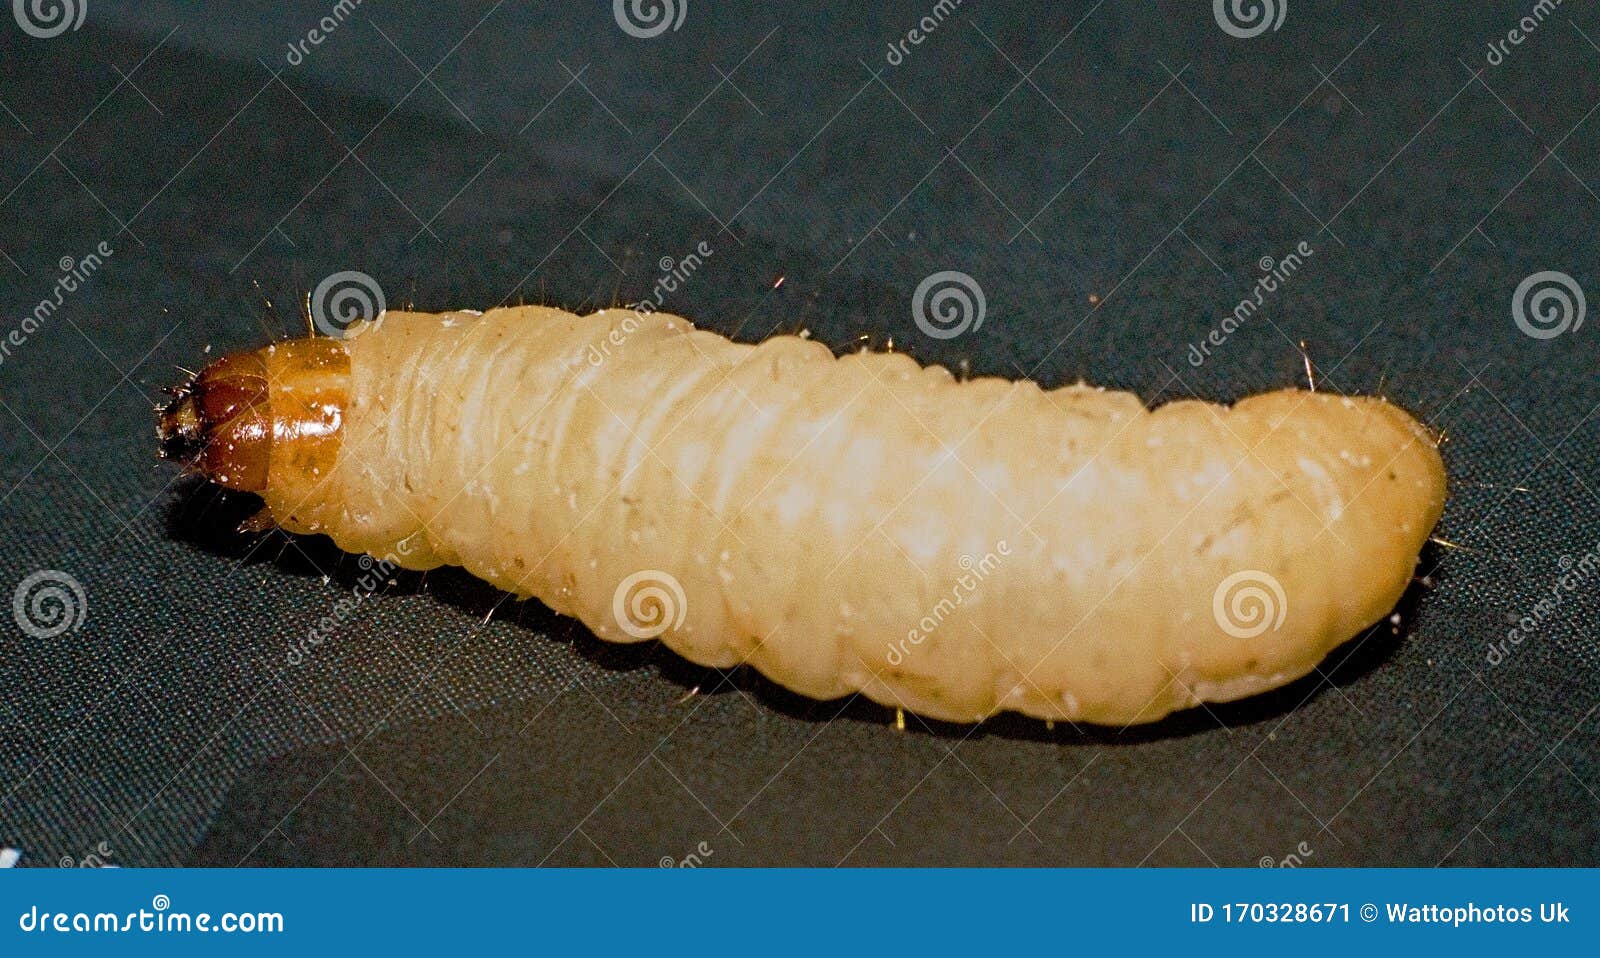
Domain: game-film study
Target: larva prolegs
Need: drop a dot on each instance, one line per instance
(853, 523)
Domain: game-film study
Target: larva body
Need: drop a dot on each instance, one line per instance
(844, 524)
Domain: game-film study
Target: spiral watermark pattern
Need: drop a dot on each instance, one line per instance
(1248, 604)
(1249, 18)
(48, 603)
(648, 603)
(1547, 304)
(345, 298)
(649, 18)
(98, 857)
(694, 859)
(161, 902)
(49, 18)
(947, 304)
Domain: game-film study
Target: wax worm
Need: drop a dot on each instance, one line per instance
(843, 524)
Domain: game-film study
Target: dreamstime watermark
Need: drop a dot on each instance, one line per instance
(317, 35)
(48, 603)
(648, 603)
(98, 857)
(674, 275)
(344, 299)
(157, 918)
(1249, 603)
(1294, 859)
(1500, 48)
(1249, 18)
(49, 18)
(1579, 573)
(1548, 304)
(375, 573)
(649, 18)
(74, 274)
(694, 859)
(973, 572)
(925, 28)
(1274, 275)
(947, 304)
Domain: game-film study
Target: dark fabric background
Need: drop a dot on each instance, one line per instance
(1110, 173)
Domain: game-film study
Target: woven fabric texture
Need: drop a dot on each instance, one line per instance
(1115, 175)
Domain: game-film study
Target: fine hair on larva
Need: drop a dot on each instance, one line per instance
(844, 524)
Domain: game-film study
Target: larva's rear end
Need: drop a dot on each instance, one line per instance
(1300, 523)
(849, 524)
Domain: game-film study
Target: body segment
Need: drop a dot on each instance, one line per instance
(861, 523)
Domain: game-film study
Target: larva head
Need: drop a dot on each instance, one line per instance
(268, 416)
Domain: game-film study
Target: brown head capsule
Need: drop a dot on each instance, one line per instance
(271, 416)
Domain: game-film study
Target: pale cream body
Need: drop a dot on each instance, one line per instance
(816, 510)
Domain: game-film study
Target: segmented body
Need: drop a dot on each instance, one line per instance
(863, 524)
